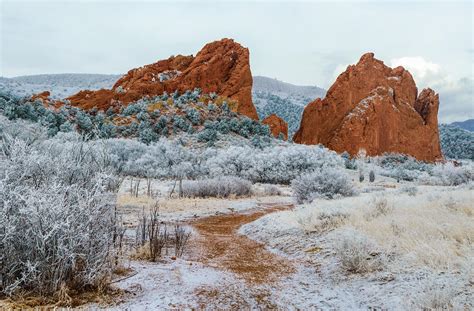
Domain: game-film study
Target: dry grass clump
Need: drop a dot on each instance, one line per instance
(358, 254)
(126, 199)
(379, 207)
(64, 298)
(433, 229)
(324, 220)
(152, 237)
(438, 294)
(423, 229)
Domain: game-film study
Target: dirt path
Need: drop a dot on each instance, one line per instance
(219, 245)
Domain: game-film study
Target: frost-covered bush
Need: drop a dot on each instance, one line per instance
(349, 163)
(271, 190)
(357, 253)
(221, 187)
(328, 182)
(450, 175)
(402, 167)
(28, 132)
(371, 176)
(273, 164)
(410, 190)
(57, 219)
(193, 115)
(144, 119)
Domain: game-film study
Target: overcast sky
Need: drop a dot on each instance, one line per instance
(302, 43)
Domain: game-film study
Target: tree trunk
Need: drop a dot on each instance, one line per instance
(137, 185)
(172, 189)
(148, 187)
(180, 187)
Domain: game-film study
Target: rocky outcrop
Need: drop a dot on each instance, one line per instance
(374, 109)
(277, 126)
(221, 67)
(43, 97)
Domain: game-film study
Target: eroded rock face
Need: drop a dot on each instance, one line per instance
(43, 96)
(222, 67)
(277, 125)
(373, 108)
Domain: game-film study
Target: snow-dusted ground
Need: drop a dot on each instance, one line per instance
(169, 285)
(175, 209)
(406, 282)
(317, 280)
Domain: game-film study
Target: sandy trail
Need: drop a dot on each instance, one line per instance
(221, 269)
(219, 245)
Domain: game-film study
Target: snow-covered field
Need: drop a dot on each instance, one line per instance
(402, 246)
(393, 244)
(391, 250)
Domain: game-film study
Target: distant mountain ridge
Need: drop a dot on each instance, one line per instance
(467, 125)
(70, 79)
(280, 88)
(60, 85)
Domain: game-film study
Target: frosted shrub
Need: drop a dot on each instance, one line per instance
(271, 190)
(274, 164)
(371, 176)
(410, 190)
(221, 187)
(402, 167)
(357, 253)
(57, 219)
(437, 294)
(327, 182)
(449, 175)
(349, 163)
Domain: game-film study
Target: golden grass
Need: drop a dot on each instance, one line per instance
(65, 298)
(434, 229)
(140, 201)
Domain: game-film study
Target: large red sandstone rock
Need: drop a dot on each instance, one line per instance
(376, 109)
(222, 67)
(277, 125)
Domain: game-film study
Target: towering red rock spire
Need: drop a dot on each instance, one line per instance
(374, 108)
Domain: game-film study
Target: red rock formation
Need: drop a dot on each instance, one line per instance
(374, 108)
(43, 97)
(277, 125)
(221, 67)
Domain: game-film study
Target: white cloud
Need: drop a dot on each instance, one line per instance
(420, 68)
(456, 95)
